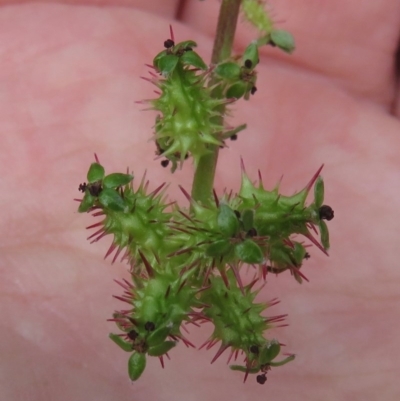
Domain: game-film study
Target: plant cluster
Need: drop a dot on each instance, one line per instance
(186, 262)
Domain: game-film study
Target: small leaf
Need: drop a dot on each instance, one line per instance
(284, 362)
(251, 53)
(136, 365)
(116, 180)
(228, 70)
(270, 352)
(323, 229)
(95, 173)
(167, 64)
(283, 39)
(319, 192)
(248, 219)
(87, 203)
(249, 252)
(227, 221)
(158, 336)
(237, 90)
(161, 349)
(184, 45)
(244, 369)
(111, 199)
(193, 59)
(219, 248)
(121, 343)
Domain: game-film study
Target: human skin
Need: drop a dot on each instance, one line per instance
(69, 77)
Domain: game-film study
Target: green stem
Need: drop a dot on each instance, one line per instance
(203, 181)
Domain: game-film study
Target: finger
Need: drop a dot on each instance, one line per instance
(166, 8)
(351, 42)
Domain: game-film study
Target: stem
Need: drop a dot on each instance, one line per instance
(203, 181)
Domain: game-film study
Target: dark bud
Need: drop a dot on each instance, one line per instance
(149, 326)
(326, 212)
(237, 213)
(307, 256)
(252, 232)
(233, 137)
(165, 163)
(253, 90)
(133, 335)
(248, 63)
(261, 379)
(94, 188)
(82, 187)
(169, 43)
(254, 349)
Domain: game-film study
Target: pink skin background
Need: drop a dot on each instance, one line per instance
(69, 79)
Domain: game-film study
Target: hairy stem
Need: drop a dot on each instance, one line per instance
(205, 172)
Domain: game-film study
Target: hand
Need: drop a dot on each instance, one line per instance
(69, 79)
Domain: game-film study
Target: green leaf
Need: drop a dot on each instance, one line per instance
(136, 365)
(270, 352)
(227, 221)
(283, 39)
(219, 248)
(249, 252)
(248, 219)
(298, 253)
(193, 59)
(157, 336)
(121, 343)
(244, 369)
(284, 362)
(157, 58)
(87, 202)
(95, 173)
(228, 70)
(237, 90)
(251, 53)
(167, 64)
(323, 229)
(116, 180)
(184, 45)
(161, 349)
(111, 199)
(319, 192)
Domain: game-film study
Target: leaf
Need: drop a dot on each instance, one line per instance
(193, 59)
(158, 336)
(283, 362)
(109, 198)
(161, 349)
(121, 343)
(270, 352)
(95, 173)
(283, 39)
(251, 53)
(323, 229)
(116, 180)
(244, 369)
(136, 365)
(249, 252)
(237, 90)
(219, 248)
(319, 192)
(227, 221)
(247, 219)
(167, 64)
(228, 70)
(87, 203)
